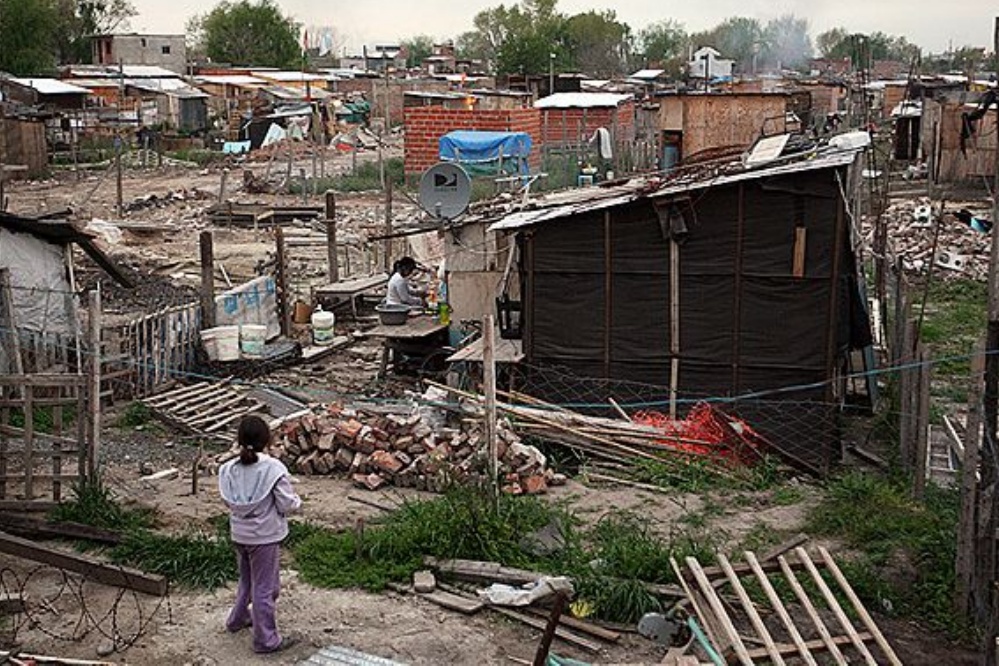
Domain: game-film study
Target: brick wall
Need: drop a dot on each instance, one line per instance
(577, 125)
(425, 125)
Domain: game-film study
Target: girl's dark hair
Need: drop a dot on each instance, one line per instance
(253, 435)
(404, 265)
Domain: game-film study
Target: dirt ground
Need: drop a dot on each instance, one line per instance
(71, 620)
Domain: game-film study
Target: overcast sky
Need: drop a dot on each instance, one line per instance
(932, 24)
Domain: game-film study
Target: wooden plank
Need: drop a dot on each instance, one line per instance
(798, 268)
(858, 606)
(778, 605)
(788, 649)
(14, 431)
(833, 604)
(750, 609)
(718, 609)
(44, 379)
(88, 567)
(28, 526)
(29, 443)
(827, 639)
(28, 505)
(453, 602)
(562, 633)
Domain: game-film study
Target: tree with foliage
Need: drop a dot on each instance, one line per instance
(248, 33)
(663, 45)
(864, 49)
(598, 43)
(82, 19)
(787, 42)
(828, 42)
(519, 39)
(417, 49)
(739, 38)
(28, 32)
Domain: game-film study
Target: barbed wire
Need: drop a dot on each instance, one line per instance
(126, 619)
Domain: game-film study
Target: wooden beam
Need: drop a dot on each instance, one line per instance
(719, 612)
(778, 605)
(828, 641)
(207, 280)
(88, 567)
(750, 610)
(28, 526)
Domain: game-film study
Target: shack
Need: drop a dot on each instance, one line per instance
(957, 150)
(38, 291)
(725, 283)
(705, 125)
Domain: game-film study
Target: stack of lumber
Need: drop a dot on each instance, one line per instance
(623, 440)
(375, 449)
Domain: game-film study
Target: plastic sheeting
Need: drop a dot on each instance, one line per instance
(254, 302)
(39, 286)
(486, 148)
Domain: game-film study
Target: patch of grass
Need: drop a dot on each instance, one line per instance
(905, 548)
(365, 178)
(44, 418)
(199, 156)
(955, 321)
(787, 495)
(93, 503)
(608, 562)
(134, 415)
(699, 475)
(198, 558)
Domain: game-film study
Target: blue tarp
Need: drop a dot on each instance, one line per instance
(487, 148)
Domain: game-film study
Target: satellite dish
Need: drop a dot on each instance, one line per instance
(445, 190)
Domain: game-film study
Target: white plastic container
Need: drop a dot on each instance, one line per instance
(251, 340)
(221, 343)
(322, 327)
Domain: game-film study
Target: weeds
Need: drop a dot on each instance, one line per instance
(135, 415)
(44, 418)
(196, 559)
(95, 504)
(608, 562)
(365, 178)
(906, 549)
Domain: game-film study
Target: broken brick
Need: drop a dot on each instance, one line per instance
(386, 462)
(534, 484)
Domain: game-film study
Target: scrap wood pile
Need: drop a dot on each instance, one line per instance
(707, 435)
(414, 450)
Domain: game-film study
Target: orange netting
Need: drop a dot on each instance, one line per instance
(707, 431)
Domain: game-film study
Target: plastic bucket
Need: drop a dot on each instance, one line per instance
(251, 340)
(322, 327)
(225, 340)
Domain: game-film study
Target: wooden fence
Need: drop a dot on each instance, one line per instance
(147, 353)
(46, 437)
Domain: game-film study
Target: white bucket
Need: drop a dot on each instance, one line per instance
(251, 340)
(322, 327)
(221, 343)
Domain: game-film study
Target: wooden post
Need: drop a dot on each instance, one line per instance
(282, 283)
(119, 197)
(489, 390)
(225, 176)
(305, 184)
(986, 557)
(387, 255)
(8, 321)
(207, 281)
(94, 402)
(541, 656)
(674, 324)
(922, 425)
(331, 254)
(965, 560)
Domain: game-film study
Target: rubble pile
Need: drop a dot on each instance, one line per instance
(961, 251)
(153, 200)
(405, 450)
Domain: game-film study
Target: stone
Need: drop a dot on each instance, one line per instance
(424, 581)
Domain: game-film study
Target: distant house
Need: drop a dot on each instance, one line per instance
(51, 94)
(170, 103)
(441, 60)
(167, 51)
(573, 118)
(384, 57)
(707, 63)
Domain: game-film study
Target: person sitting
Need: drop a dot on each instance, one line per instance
(400, 291)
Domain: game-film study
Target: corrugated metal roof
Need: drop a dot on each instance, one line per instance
(581, 100)
(51, 86)
(230, 80)
(288, 77)
(557, 206)
(647, 74)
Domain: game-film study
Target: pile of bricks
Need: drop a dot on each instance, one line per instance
(375, 450)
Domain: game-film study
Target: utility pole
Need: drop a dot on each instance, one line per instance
(986, 556)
